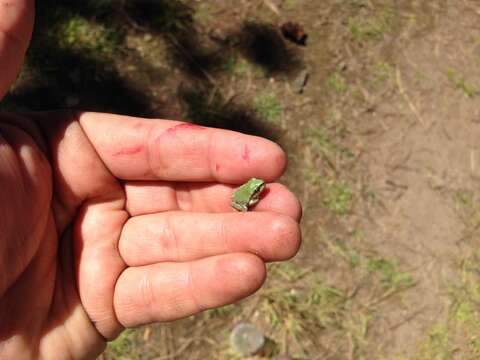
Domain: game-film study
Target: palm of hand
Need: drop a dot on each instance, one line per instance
(137, 229)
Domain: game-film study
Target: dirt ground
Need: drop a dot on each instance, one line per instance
(380, 116)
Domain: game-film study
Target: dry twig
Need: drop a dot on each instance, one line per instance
(403, 92)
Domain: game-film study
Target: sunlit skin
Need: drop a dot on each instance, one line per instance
(109, 222)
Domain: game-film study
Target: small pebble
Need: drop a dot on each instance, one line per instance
(301, 81)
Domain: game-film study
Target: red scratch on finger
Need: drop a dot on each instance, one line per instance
(129, 150)
(246, 153)
(173, 130)
(217, 167)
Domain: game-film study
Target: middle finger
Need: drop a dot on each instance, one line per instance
(149, 197)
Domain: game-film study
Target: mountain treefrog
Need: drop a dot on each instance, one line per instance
(248, 194)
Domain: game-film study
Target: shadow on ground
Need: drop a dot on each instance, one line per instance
(62, 73)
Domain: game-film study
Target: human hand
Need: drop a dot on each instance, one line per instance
(109, 222)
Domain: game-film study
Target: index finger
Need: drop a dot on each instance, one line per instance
(146, 149)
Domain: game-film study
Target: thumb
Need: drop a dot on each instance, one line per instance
(16, 24)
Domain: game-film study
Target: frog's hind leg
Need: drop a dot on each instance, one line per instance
(254, 201)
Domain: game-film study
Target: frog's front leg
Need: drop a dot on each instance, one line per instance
(240, 207)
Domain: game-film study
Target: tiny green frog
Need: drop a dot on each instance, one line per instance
(248, 194)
